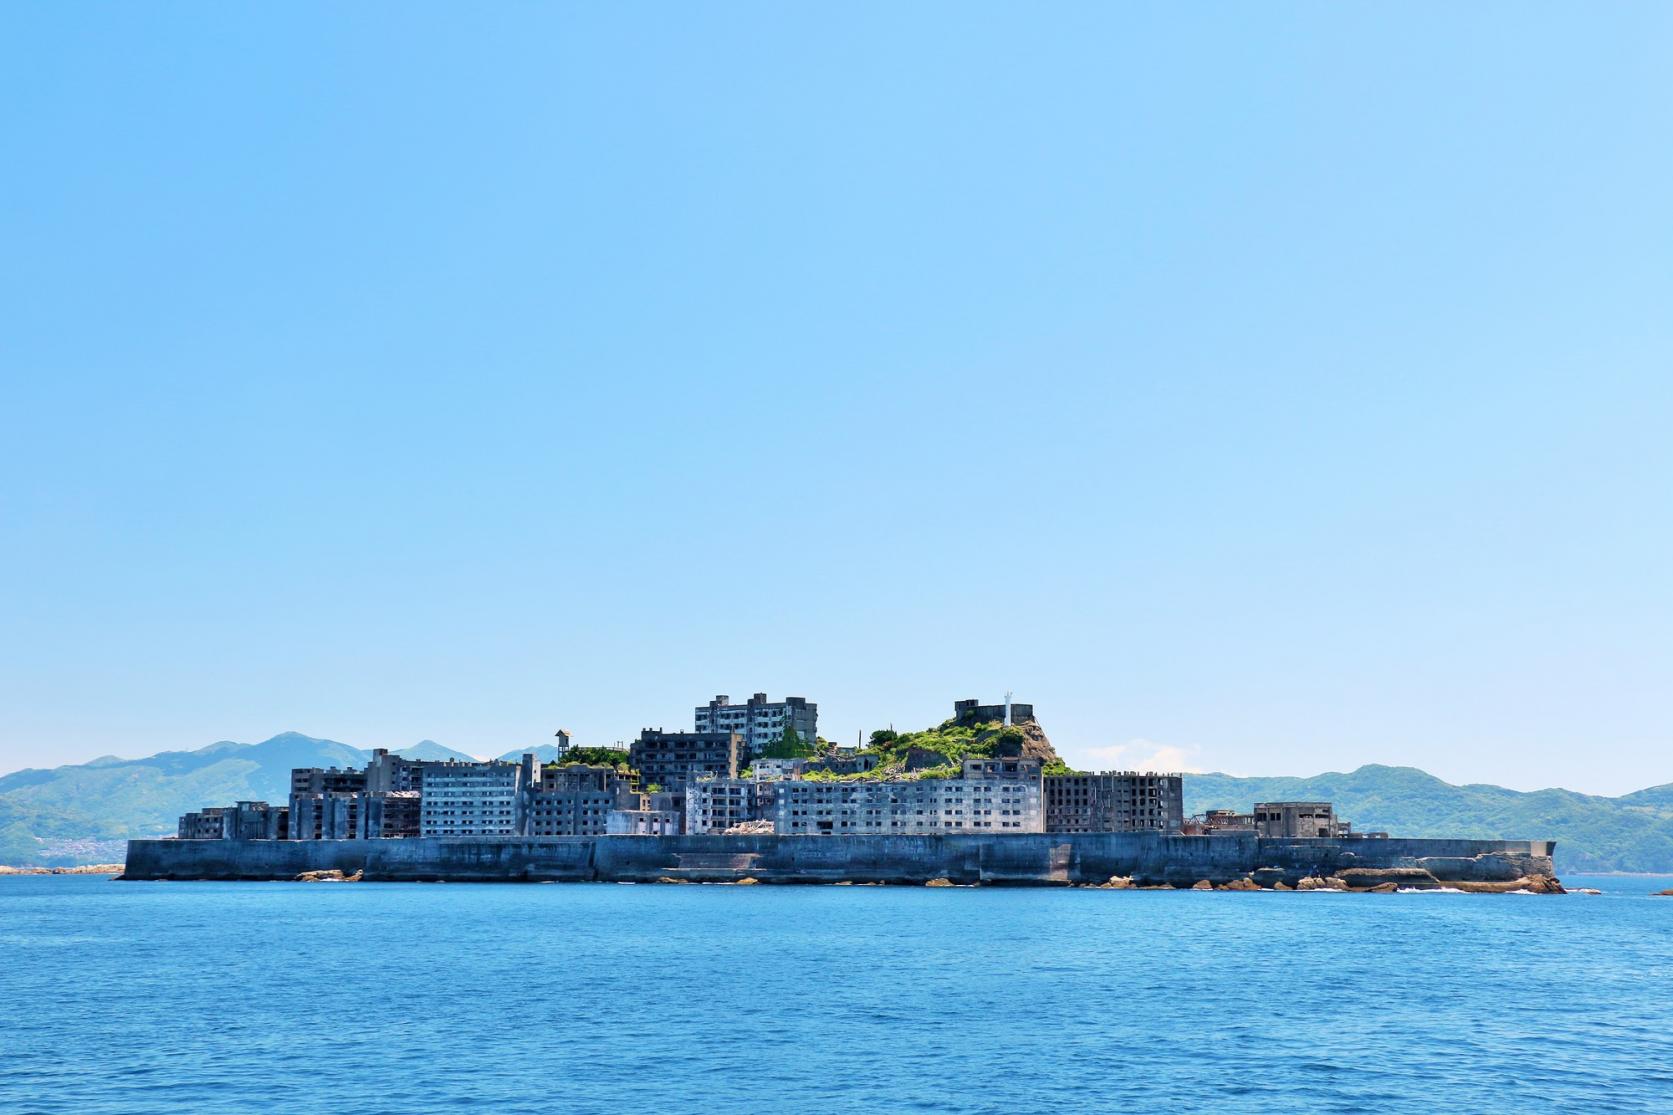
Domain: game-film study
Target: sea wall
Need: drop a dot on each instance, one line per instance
(1015, 859)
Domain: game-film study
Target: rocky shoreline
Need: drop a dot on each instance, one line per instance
(87, 869)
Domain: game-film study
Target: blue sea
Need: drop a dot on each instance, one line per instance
(399, 998)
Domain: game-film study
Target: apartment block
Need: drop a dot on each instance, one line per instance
(474, 799)
(713, 805)
(671, 760)
(574, 800)
(759, 721)
(1114, 801)
(997, 795)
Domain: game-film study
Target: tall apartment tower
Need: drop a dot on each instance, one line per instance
(759, 721)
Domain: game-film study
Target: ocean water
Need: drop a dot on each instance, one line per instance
(398, 998)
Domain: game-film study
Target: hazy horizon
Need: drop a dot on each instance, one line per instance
(1269, 391)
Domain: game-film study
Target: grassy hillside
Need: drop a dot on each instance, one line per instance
(1630, 833)
(51, 816)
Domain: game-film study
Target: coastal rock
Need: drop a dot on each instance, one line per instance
(1202, 884)
(747, 881)
(1586, 890)
(1326, 882)
(1663, 894)
(1384, 888)
(1371, 878)
(1281, 885)
(1118, 882)
(1531, 884)
(670, 879)
(1240, 884)
(334, 875)
(86, 869)
(939, 883)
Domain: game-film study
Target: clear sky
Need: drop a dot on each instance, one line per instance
(1252, 388)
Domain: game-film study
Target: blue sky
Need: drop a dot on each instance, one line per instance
(1252, 389)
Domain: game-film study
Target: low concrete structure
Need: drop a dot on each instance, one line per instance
(1297, 818)
(1016, 859)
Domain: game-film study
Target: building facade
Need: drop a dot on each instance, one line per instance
(997, 795)
(970, 711)
(759, 721)
(671, 760)
(1115, 801)
(713, 805)
(574, 800)
(474, 799)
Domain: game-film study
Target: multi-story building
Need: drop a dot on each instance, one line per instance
(325, 803)
(713, 805)
(574, 800)
(759, 721)
(203, 824)
(327, 780)
(998, 795)
(474, 799)
(327, 816)
(247, 820)
(1115, 801)
(1292, 819)
(388, 814)
(670, 760)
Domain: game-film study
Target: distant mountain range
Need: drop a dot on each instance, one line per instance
(83, 813)
(1629, 833)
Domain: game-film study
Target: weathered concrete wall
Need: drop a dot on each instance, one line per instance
(1023, 859)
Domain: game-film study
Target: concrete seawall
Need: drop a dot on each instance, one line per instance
(1038, 859)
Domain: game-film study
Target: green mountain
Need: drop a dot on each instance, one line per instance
(84, 813)
(1629, 833)
(430, 751)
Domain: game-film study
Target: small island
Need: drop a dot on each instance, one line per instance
(753, 795)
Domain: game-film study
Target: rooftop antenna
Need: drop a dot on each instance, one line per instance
(1007, 708)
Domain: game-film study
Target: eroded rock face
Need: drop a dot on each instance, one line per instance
(332, 876)
(1313, 882)
(1373, 878)
(1536, 884)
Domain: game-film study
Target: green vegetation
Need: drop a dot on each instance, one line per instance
(956, 741)
(789, 746)
(594, 757)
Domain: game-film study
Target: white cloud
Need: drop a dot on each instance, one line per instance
(1140, 754)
